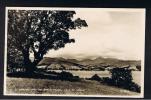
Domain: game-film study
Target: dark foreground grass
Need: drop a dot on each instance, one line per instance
(46, 86)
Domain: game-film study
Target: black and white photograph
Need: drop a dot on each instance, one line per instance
(86, 52)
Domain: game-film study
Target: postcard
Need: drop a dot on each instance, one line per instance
(78, 52)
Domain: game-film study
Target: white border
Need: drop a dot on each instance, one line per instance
(62, 8)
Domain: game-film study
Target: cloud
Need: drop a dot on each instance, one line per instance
(113, 33)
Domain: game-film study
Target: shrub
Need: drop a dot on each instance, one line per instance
(64, 74)
(107, 80)
(68, 76)
(95, 77)
(134, 87)
(122, 77)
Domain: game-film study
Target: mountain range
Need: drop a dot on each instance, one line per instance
(99, 63)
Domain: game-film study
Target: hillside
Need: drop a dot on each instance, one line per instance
(99, 63)
(58, 87)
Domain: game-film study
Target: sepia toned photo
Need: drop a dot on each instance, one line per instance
(81, 52)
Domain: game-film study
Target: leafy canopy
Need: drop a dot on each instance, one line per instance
(38, 31)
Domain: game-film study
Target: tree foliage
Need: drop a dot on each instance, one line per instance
(121, 76)
(38, 31)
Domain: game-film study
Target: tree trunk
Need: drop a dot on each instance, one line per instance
(37, 58)
(29, 66)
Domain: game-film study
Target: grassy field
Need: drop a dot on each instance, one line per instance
(45, 86)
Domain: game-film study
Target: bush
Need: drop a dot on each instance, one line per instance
(134, 87)
(122, 77)
(95, 77)
(64, 74)
(107, 80)
(68, 76)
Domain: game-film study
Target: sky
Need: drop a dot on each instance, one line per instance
(113, 33)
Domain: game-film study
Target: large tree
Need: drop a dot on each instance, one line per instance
(38, 31)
